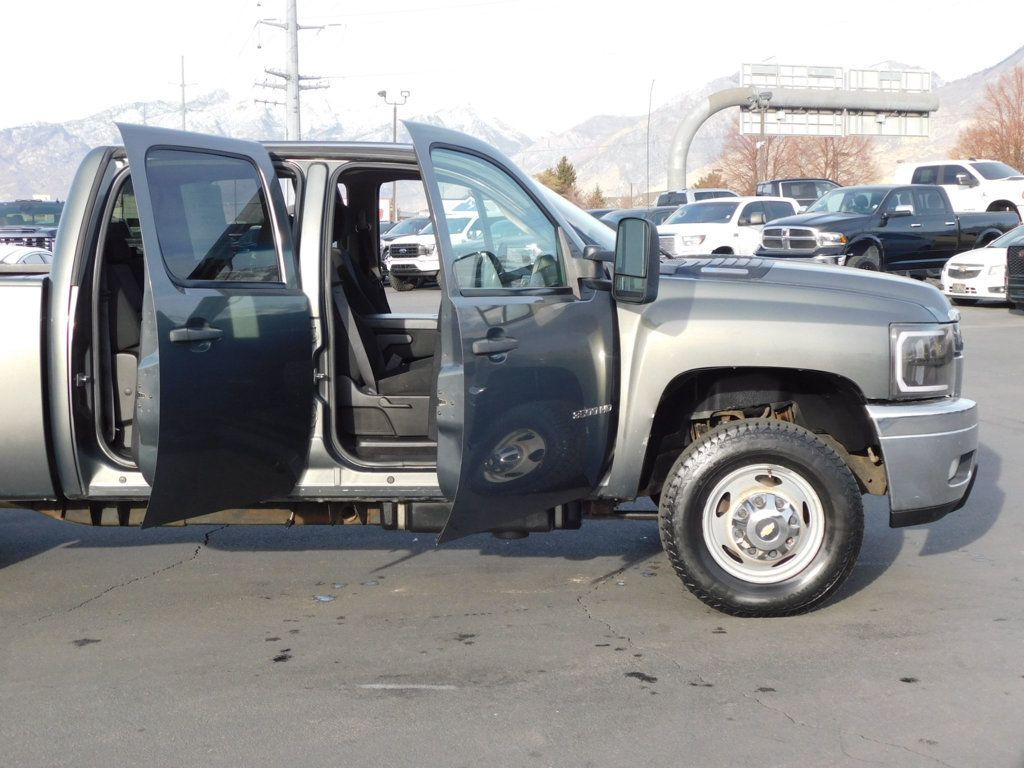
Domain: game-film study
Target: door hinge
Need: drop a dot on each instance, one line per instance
(319, 376)
(82, 379)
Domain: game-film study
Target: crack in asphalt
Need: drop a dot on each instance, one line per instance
(905, 749)
(108, 590)
(779, 711)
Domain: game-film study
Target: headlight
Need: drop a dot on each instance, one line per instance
(998, 269)
(923, 357)
(691, 239)
(427, 248)
(831, 238)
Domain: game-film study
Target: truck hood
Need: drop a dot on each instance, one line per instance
(777, 281)
(822, 221)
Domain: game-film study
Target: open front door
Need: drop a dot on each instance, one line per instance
(528, 367)
(225, 378)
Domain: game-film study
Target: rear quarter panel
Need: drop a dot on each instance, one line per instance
(979, 228)
(24, 456)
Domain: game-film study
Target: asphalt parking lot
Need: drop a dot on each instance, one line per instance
(209, 646)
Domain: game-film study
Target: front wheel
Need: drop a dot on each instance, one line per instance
(761, 518)
(402, 283)
(867, 260)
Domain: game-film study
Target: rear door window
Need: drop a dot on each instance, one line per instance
(928, 174)
(212, 218)
(950, 172)
(776, 209)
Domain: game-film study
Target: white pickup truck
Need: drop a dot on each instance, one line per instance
(413, 260)
(972, 185)
(723, 226)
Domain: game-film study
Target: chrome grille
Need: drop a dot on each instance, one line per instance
(1015, 274)
(789, 239)
(964, 271)
(398, 251)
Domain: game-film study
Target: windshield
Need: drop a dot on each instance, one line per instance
(592, 231)
(862, 200)
(32, 213)
(993, 170)
(408, 227)
(1013, 237)
(703, 213)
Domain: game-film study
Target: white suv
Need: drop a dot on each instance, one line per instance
(730, 225)
(972, 185)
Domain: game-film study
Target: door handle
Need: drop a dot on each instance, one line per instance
(494, 346)
(915, 225)
(950, 223)
(202, 333)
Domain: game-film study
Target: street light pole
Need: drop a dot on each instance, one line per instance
(650, 96)
(394, 140)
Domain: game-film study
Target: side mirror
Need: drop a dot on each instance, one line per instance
(594, 253)
(901, 210)
(756, 219)
(965, 180)
(637, 262)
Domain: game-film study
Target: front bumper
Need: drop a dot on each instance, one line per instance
(824, 255)
(982, 287)
(421, 267)
(930, 454)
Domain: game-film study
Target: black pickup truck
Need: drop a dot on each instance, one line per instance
(31, 223)
(910, 230)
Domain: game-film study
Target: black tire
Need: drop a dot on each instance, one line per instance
(402, 284)
(790, 451)
(541, 446)
(867, 260)
(965, 302)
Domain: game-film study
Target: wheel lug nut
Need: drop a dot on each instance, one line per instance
(773, 554)
(759, 501)
(789, 541)
(752, 551)
(780, 503)
(741, 514)
(793, 520)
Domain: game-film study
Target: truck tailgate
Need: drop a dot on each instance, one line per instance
(24, 459)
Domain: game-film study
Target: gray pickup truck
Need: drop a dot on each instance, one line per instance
(204, 351)
(908, 230)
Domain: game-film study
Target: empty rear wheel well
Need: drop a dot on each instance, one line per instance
(822, 402)
(724, 250)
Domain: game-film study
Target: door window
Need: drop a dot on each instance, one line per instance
(514, 244)
(929, 201)
(950, 172)
(211, 217)
(748, 211)
(928, 174)
(777, 210)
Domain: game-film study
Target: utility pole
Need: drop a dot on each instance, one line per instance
(292, 81)
(183, 85)
(394, 140)
(650, 96)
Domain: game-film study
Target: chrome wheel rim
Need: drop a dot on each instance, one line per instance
(517, 454)
(763, 523)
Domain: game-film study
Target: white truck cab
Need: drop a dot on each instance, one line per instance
(972, 184)
(729, 225)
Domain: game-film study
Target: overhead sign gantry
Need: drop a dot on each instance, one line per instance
(797, 100)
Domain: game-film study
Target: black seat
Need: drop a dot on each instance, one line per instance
(123, 275)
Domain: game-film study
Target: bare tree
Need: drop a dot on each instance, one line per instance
(997, 132)
(711, 179)
(844, 159)
(749, 158)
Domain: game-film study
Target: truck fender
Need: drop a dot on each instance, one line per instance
(861, 243)
(986, 237)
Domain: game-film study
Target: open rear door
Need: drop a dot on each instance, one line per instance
(225, 381)
(528, 372)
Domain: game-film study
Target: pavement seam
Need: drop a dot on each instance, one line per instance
(194, 555)
(905, 749)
